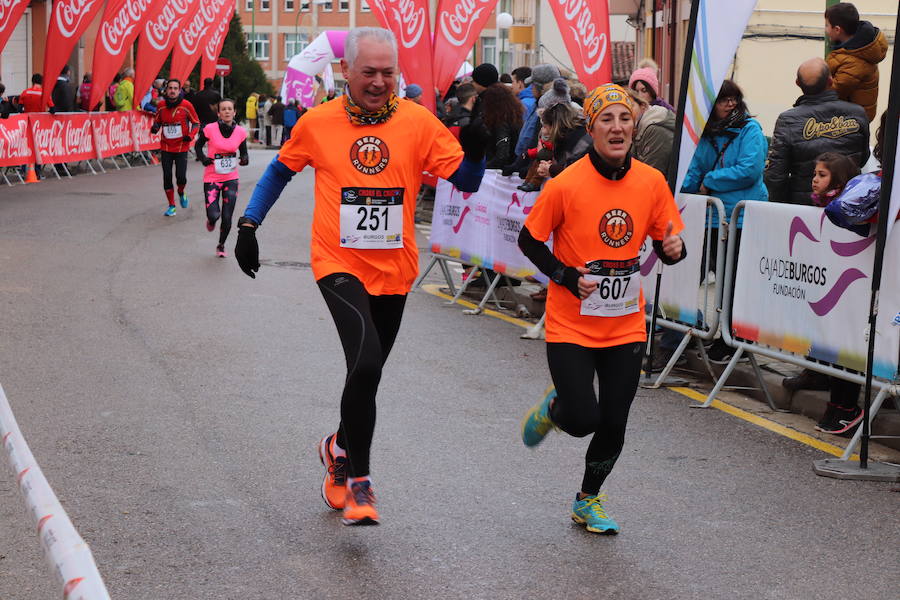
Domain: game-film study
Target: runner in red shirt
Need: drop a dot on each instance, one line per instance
(599, 211)
(30, 99)
(178, 121)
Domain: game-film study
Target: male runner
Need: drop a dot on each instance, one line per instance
(369, 151)
(178, 121)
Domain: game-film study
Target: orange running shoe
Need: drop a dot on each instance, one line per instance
(359, 508)
(334, 487)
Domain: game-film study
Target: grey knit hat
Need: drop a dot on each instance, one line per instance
(543, 73)
(558, 94)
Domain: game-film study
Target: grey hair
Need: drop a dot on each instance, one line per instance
(129, 72)
(351, 45)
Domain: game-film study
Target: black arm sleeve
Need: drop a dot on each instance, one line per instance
(538, 253)
(658, 248)
(242, 151)
(200, 143)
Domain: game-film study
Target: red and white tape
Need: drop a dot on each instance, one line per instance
(68, 554)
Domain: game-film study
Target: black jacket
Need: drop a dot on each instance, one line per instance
(817, 123)
(63, 95)
(501, 145)
(203, 102)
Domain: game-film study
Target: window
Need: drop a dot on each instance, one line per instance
(258, 47)
(364, 6)
(264, 4)
(344, 5)
(327, 6)
(294, 43)
(304, 5)
(288, 5)
(249, 6)
(489, 50)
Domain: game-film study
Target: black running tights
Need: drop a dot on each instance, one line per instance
(179, 159)
(228, 191)
(367, 326)
(576, 409)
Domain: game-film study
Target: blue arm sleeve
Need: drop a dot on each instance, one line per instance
(267, 190)
(466, 178)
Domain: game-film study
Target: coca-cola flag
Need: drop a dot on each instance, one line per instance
(122, 21)
(158, 36)
(112, 133)
(212, 45)
(10, 13)
(141, 123)
(189, 46)
(62, 138)
(458, 25)
(67, 23)
(409, 20)
(585, 30)
(15, 142)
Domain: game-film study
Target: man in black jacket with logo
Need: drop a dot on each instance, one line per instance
(819, 122)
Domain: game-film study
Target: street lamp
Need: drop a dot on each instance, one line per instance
(504, 22)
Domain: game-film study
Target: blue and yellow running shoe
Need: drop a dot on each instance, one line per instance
(170, 212)
(589, 512)
(184, 200)
(537, 423)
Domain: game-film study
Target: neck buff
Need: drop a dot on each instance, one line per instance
(173, 103)
(360, 116)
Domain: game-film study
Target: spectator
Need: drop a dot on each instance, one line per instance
(578, 91)
(819, 122)
(7, 106)
(857, 48)
(252, 104)
(728, 164)
(484, 76)
(645, 82)
(265, 120)
(568, 135)
(63, 93)
(654, 132)
(522, 90)
(188, 92)
(461, 114)
(206, 103)
(329, 95)
(124, 97)
(84, 92)
(276, 115)
(291, 116)
(501, 117)
(30, 99)
(540, 76)
(414, 93)
(506, 79)
(111, 92)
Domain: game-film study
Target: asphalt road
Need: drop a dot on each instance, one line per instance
(175, 405)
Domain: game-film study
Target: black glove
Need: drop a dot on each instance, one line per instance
(206, 161)
(154, 129)
(246, 250)
(474, 139)
(245, 160)
(52, 110)
(185, 138)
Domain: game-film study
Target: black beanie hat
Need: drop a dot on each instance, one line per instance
(485, 75)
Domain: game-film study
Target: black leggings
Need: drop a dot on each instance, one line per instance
(179, 159)
(228, 191)
(576, 409)
(367, 326)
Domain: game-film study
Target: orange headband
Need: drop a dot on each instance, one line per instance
(602, 97)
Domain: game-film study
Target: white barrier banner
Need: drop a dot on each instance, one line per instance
(678, 289)
(483, 228)
(803, 286)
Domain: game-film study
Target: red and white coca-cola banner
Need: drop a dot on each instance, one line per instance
(10, 13)
(62, 138)
(457, 27)
(212, 45)
(112, 133)
(67, 23)
(15, 142)
(122, 21)
(159, 34)
(584, 25)
(141, 123)
(409, 20)
(188, 49)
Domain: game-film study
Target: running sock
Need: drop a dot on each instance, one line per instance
(352, 480)
(181, 190)
(170, 196)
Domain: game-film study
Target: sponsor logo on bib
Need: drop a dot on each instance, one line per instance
(369, 155)
(616, 228)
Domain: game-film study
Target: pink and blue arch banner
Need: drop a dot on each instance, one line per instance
(300, 77)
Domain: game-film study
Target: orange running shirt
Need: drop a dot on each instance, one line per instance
(382, 163)
(596, 219)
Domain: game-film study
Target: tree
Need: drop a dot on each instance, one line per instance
(246, 75)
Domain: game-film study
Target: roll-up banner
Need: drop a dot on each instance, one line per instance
(212, 45)
(458, 23)
(112, 133)
(10, 13)
(188, 48)
(15, 142)
(122, 23)
(584, 26)
(720, 28)
(410, 22)
(803, 286)
(66, 137)
(158, 36)
(68, 22)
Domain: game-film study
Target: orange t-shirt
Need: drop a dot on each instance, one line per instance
(372, 169)
(596, 219)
